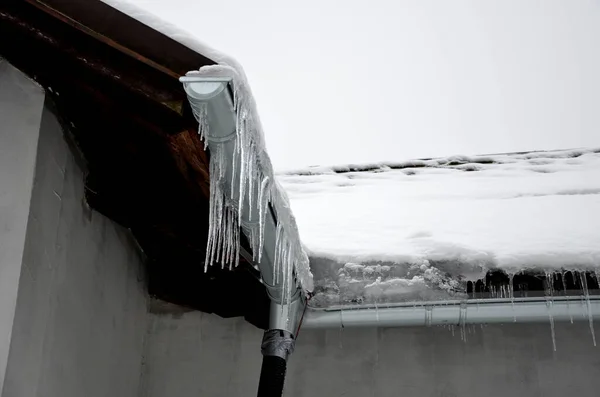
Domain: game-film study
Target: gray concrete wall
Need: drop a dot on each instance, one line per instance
(81, 310)
(21, 103)
(197, 354)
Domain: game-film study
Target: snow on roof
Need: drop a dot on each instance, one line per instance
(172, 31)
(413, 230)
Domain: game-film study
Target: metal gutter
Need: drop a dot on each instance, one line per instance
(215, 93)
(472, 311)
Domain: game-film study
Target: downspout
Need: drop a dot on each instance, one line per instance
(279, 339)
(459, 313)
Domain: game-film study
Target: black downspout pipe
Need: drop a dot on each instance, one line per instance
(276, 347)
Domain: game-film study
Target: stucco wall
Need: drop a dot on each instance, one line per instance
(81, 310)
(21, 103)
(198, 354)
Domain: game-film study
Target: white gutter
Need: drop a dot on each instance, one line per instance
(472, 311)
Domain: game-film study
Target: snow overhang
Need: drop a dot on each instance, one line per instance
(513, 227)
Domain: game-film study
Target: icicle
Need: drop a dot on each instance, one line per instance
(463, 321)
(243, 179)
(263, 199)
(217, 249)
(227, 240)
(512, 295)
(222, 240)
(236, 243)
(586, 292)
(550, 284)
(200, 113)
(223, 233)
(549, 305)
(277, 258)
(216, 212)
(576, 280)
(250, 188)
(233, 166)
(287, 270)
(563, 280)
(254, 243)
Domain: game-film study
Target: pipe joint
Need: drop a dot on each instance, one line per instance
(278, 343)
(220, 139)
(287, 316)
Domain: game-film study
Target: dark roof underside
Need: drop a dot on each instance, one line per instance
(113, 82)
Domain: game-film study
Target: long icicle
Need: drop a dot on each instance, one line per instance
(263, 202)
(586, 292)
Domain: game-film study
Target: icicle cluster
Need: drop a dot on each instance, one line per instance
(224, 231)
(252, 182)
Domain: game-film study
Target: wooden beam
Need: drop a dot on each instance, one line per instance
(24, 23)
(131, 34)
(79, 26)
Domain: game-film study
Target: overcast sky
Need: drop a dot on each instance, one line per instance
(357, 81)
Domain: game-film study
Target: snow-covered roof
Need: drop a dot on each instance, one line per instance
(415, 229)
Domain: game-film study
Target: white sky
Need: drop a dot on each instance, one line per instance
(357, 81)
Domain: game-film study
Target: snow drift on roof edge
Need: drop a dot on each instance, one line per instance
(290, 254)
(416, 230)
